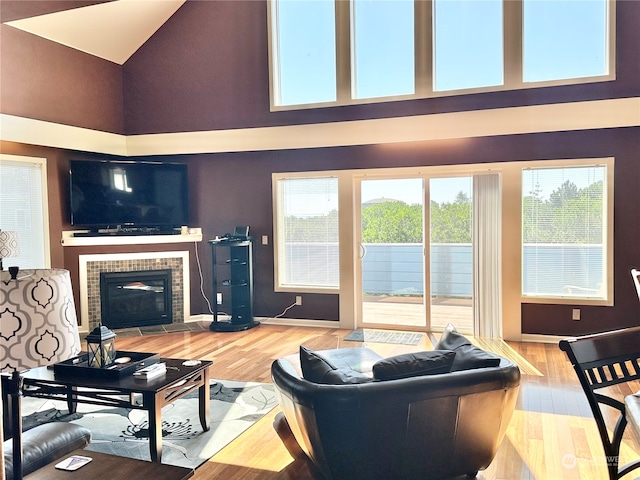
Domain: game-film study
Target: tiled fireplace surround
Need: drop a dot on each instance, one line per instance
(90, 267)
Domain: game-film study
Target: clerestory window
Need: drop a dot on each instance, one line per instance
(337, 52)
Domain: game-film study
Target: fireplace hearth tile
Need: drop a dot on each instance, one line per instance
(176, 327)
(127, 332)
(152, 329)
(199, 326)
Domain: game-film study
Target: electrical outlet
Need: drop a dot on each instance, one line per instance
(298, 299)
(575, 314)
(219, 299)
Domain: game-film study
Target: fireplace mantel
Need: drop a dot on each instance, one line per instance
(69, 238)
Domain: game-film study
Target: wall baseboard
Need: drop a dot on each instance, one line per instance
(301, 322)
(287, 322)
(537, 338)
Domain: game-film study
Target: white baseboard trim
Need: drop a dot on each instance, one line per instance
(201, 317)
(287, 322)
(298, 322)
(537, 338)
(301, 322)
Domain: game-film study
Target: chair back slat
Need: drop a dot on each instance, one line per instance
(611, 371)
(602, 360)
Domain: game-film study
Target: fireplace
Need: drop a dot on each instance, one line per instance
(91, 266)
(136, 299)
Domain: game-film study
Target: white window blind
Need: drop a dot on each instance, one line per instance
(564, 227)
(22, 209)
(307, 226)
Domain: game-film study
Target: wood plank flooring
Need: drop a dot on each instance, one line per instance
(552, 434)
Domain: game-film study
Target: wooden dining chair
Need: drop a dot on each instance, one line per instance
(602, 360)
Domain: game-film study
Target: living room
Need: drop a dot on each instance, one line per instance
(198, 92)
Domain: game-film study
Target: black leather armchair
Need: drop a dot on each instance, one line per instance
(424, 427)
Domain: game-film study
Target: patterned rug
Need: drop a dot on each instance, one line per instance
(235, 406)
(382, 336)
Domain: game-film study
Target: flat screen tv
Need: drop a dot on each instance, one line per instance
(115, 194)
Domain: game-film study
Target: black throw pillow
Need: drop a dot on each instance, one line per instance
(414, 364)
(318, 369)
(468, 356)
(451, 339)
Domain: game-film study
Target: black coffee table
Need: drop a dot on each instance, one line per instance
(128, 392)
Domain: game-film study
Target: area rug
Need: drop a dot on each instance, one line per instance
(235, 406)
(380, 336)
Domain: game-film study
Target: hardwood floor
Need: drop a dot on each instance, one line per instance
(552, 434)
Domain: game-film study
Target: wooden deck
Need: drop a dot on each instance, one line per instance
(410, 312)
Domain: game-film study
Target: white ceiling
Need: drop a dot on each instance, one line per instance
(112, 30)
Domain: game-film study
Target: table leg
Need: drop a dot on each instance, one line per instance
(6, 412)
(205, 401)
(72, 403)
(155, 426)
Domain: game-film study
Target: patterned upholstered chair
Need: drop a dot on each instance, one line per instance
(38, 327)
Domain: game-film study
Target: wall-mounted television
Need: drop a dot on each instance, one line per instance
(116, 194)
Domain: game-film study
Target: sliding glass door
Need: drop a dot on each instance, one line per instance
(392, 253)
(398, 256)
(451, 252)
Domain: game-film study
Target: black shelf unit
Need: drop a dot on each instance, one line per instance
(232, 262)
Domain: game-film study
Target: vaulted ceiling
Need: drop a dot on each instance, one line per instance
(112, 30)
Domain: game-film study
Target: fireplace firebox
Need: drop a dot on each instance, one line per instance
(135, 299)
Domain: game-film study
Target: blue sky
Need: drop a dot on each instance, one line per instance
(562, 38)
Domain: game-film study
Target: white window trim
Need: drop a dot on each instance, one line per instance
(278, 233)
(512, 52)
(566, 299)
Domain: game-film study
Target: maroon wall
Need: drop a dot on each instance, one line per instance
(207, 69)
(47, 81)
(231, 189)
(17, 9)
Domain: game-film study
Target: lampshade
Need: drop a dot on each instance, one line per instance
(8, 245)
(1, 450)
(38, 323)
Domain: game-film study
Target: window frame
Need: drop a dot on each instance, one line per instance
(278, 243)
(511, 172)
(607, 237)
(41, 165)
(423, 61)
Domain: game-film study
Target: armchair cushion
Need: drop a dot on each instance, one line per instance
(414, 364)
(319, 369)
(44, 444)
(468, 356)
